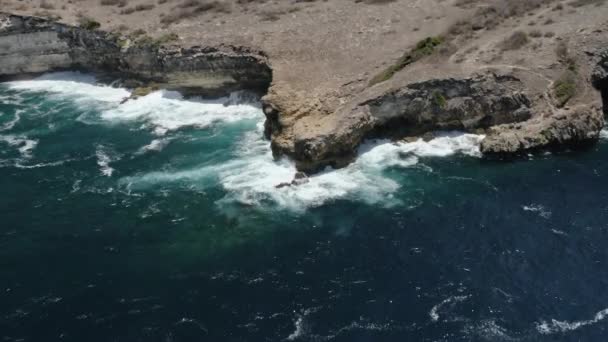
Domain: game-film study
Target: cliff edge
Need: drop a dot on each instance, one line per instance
(527, 74)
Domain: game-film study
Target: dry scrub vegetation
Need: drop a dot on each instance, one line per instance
(487, 15)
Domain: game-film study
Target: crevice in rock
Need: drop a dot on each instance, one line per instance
(603, 88)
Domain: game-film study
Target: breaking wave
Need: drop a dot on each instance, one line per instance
(168, 110)
(255, 175)
(73, 85)
(250, 176)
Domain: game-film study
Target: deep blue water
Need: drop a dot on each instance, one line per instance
(158, 220)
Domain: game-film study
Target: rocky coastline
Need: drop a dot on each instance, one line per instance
(32, 45)
(319, 132)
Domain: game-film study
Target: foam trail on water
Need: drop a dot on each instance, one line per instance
(9, 125)
(537, 208)
(24, 145)
(556, 326)
(155, 145)
(104, 158)
(434, 313)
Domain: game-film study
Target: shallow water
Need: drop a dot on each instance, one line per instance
(159, 220)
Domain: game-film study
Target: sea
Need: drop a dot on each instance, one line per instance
(159, 219)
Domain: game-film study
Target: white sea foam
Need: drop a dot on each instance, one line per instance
(299, 329)
(488, 330)
(555, 326)
(168, 110)
(434, 313)
(253, 176)
(9, 125)
(303, 332)
(75, 85)
(24, 145)
(155, 145)
(40, 165)
(162, 110)
(537, 208)
(604, 134)
(104, 158)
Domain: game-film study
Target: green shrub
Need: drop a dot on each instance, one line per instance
(564, 88)
(439, 100)
(425, 47)
(166, 38)
(88, 23)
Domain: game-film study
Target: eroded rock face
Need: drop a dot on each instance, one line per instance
(30, 45)
(599, 78)
(600, 73)
(464, 104)
(572, 127)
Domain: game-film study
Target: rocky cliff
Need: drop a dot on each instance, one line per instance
(578, 126)
(30, 45)
(466, 104)
(520, 108)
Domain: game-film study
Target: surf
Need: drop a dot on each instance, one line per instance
(245, 168)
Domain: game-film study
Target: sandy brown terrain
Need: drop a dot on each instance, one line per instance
(314, 46)
(326, 55)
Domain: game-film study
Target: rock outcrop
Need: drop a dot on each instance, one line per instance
(31, 45)
(466, 104)
(573, 127)
(599, 78)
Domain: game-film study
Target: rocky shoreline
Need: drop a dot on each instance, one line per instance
(503, 101)
(32, 45)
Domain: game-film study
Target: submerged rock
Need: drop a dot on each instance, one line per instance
(299, 179)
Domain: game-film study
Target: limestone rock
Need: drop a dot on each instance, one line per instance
(464, 104)
(31, 45)
(576, 126)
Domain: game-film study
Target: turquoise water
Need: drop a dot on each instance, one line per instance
(159, 220)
